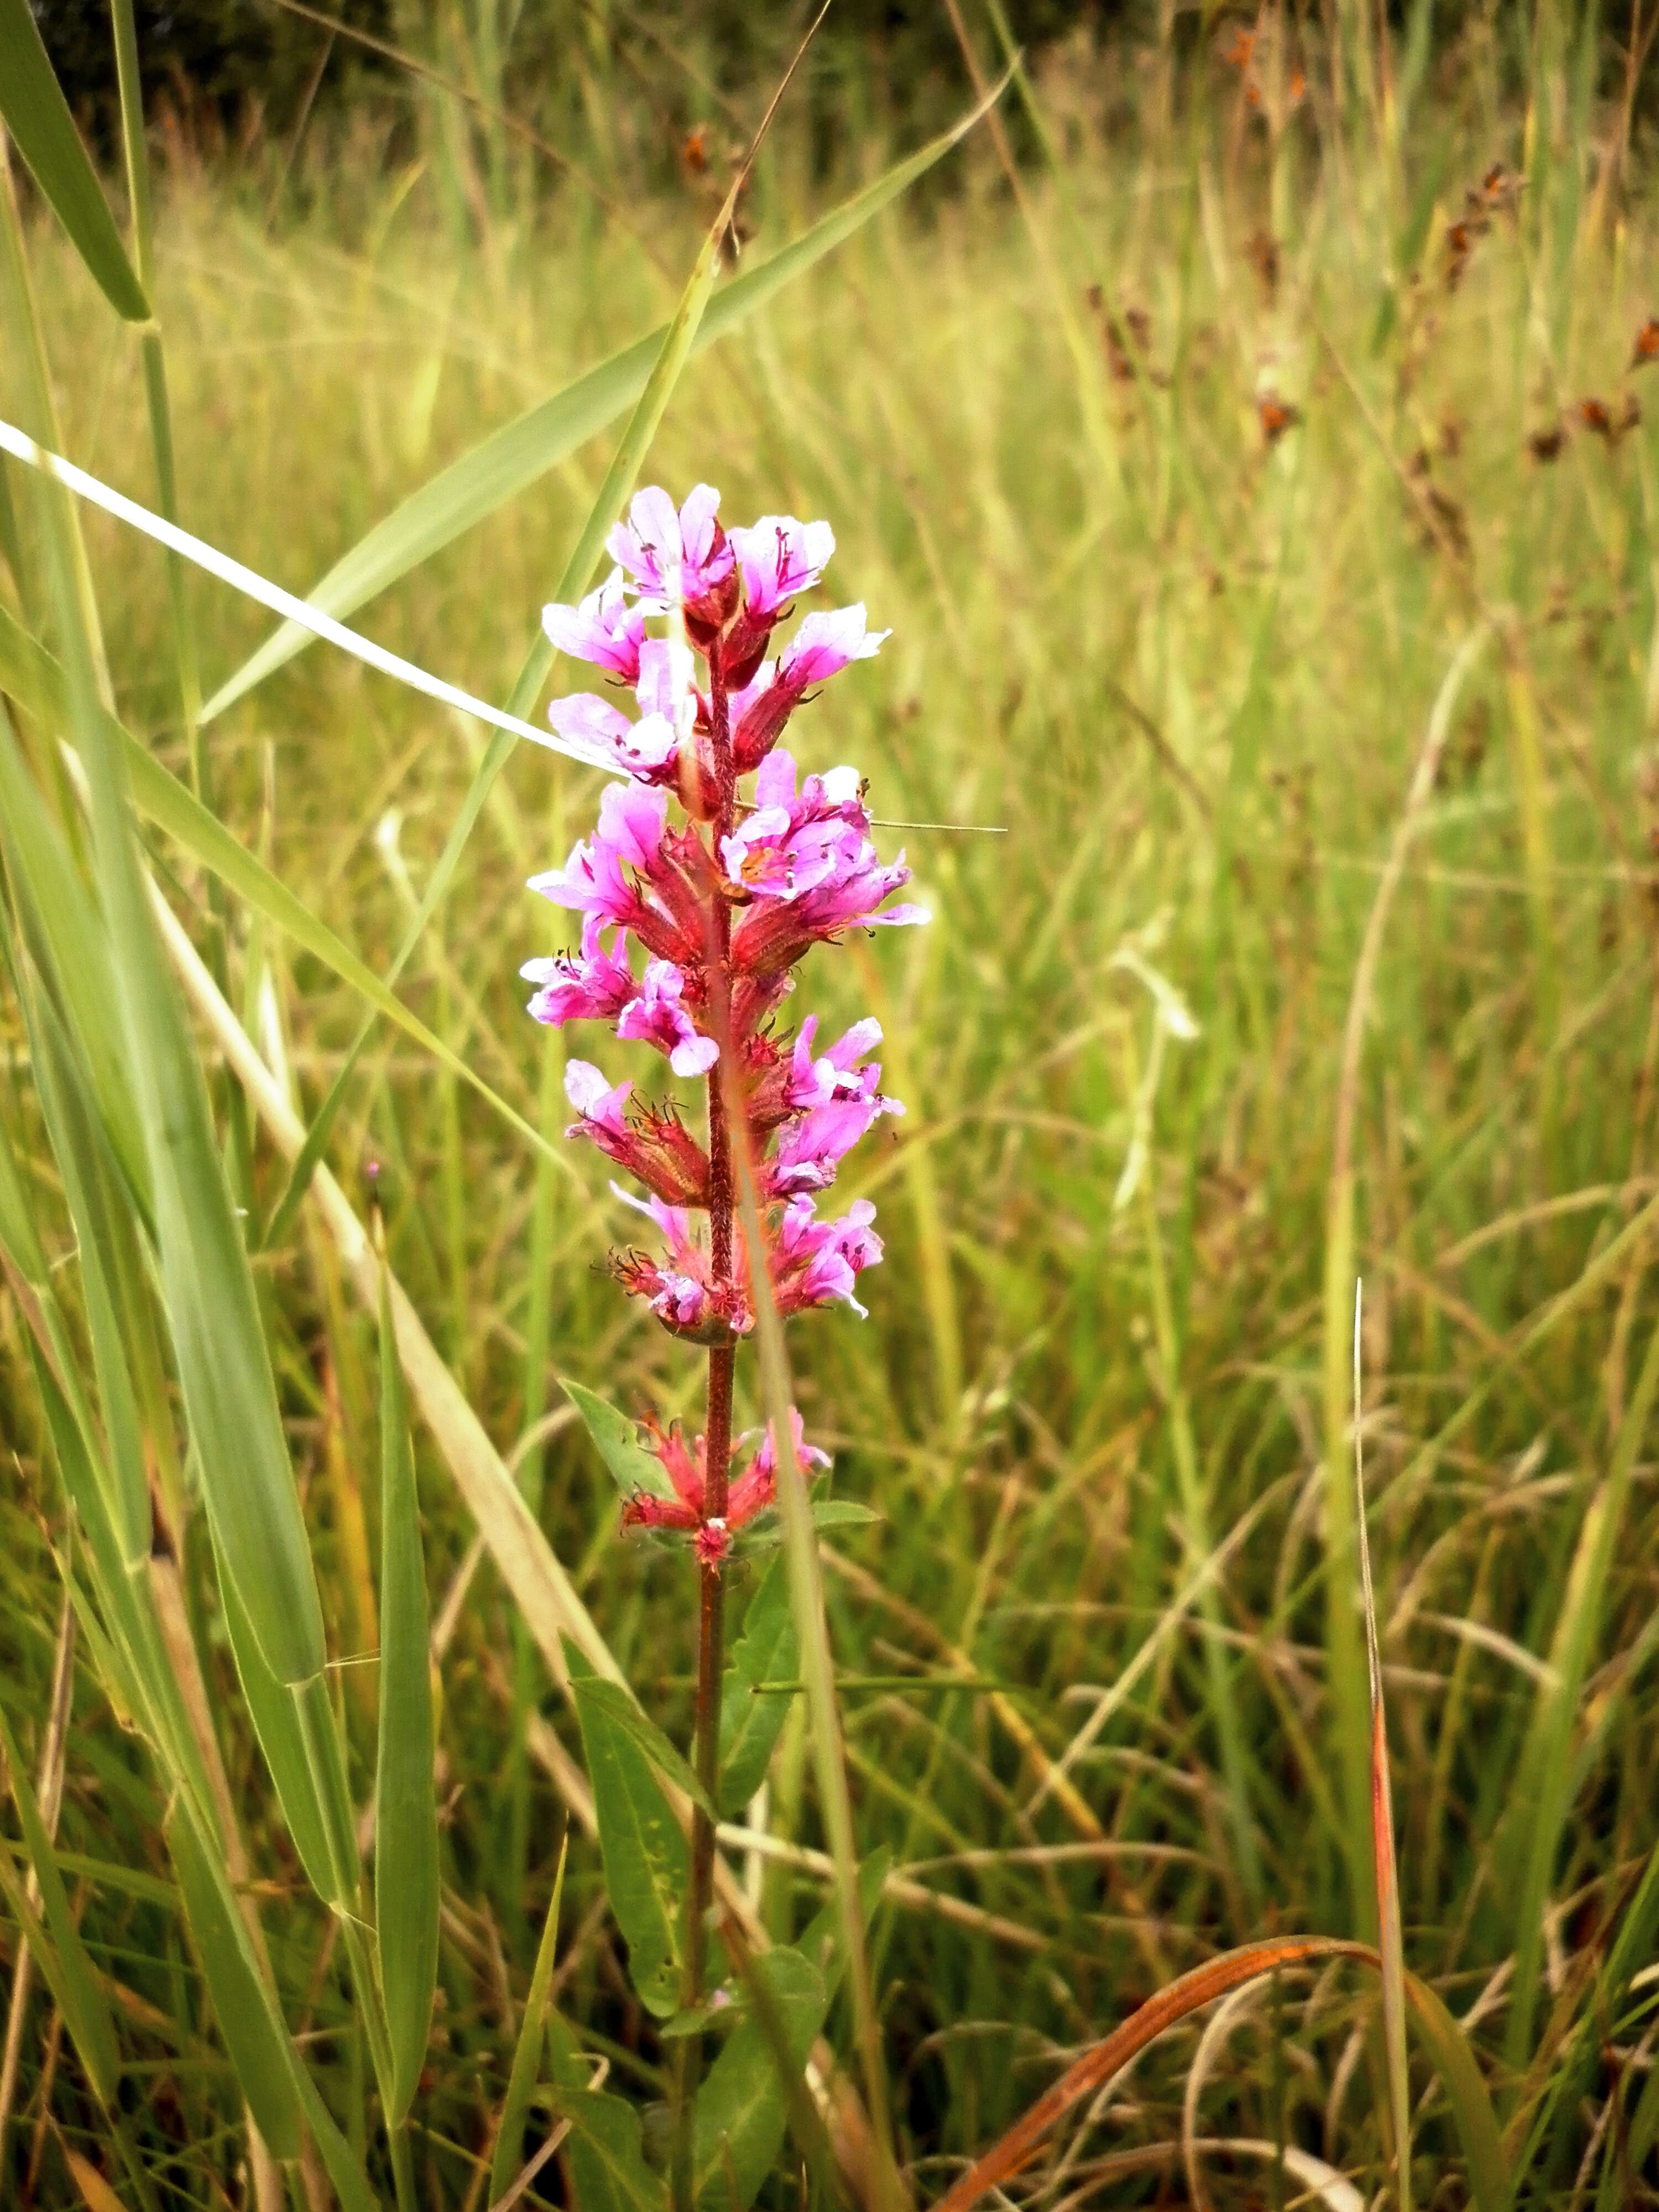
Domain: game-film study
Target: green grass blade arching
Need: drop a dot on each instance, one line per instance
(515, 456)
(43, 130)
(405, 1817)
(63, 1956)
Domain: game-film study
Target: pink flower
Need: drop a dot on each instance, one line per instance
(813, 1262)
(810, 869)
(604, 629)
(674, 559)
(681, 1294)
(653, 1144)
(630, 834)
(808, 1150)
(790, 844)
(656, 1017)
(687, 1468)
(595, 987)
(824, 645)
(780, 556)
(647, 748)
(757, 1486)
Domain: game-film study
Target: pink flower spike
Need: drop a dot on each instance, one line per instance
(586, 720)
(824, 645)
(655, 1015)
(673, 558)
(604, 629)
(779, 557)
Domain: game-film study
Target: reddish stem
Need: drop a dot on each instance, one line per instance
(717, 1450)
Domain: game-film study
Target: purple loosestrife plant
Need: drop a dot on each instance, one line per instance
(722, 907)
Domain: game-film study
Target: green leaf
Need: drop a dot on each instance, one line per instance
(646, 1862)
(254, 2034)
(743, 2104)
(607, 2161)
(521, 2080)
(767, 1652)
(765, 1532)
(63, 1958)
(37, 115)
(633, 1468)
(623, 1714)
(514, 458)
(407, 1814)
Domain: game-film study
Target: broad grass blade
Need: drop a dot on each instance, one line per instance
(37, 115)
(59, 1952)
(527, 2051)
(514, 458)
(31, 674)
(69, 925)
(405, 1819)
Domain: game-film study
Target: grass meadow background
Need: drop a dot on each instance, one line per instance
(1319, 938)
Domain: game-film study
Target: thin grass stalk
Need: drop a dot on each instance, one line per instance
(818, 1670)
(1386, 1873)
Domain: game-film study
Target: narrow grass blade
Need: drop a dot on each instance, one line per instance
(818, 1666)
(527, 2051)
(405, 1820)
(514, 458)
(37, 115)
(61, 1955)
(1391, 1944)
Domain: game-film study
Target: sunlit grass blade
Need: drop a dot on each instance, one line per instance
(514, 458)
(405, 1813)
(37, 115)
(60, 1952)
(527, 2051)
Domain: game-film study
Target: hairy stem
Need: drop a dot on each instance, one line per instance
(717, 1449)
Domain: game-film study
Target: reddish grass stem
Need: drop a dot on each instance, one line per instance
(717, 1446)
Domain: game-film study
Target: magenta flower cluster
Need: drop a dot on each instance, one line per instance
(720, 906)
